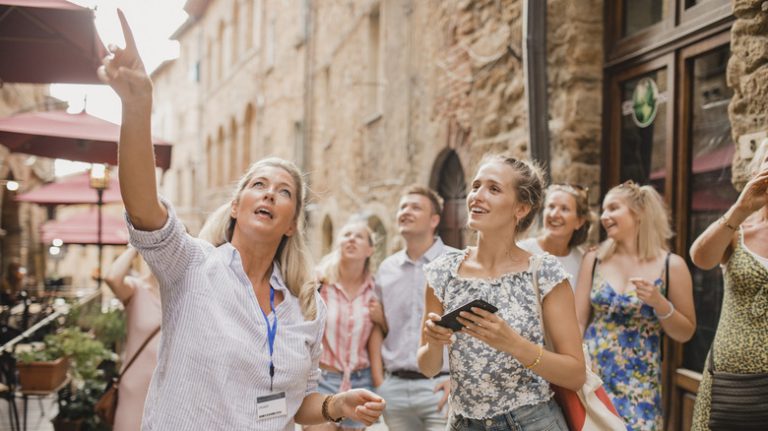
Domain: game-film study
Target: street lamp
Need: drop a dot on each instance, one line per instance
(99, 182)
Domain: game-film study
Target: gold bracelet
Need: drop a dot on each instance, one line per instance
(724, 222)
(324, 410)
(538, 358)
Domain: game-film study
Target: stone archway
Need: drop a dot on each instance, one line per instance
(448, 182)
(380, 245)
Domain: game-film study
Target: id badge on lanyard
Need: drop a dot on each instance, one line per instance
(273, 404)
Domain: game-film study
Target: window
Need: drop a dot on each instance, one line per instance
(235, 36)
(641, 14)
(220, 52)
(219, 159)
(249, 21)
(299, 147)
(247, 138)
(234, 150)
(374, 62)
(271, 42)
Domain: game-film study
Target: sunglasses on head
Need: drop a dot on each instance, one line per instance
(573, 188)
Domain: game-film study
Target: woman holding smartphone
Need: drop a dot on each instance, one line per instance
(500, 371)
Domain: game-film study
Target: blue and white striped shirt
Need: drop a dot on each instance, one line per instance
(214, 357)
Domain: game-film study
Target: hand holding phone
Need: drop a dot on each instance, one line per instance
(450, 319)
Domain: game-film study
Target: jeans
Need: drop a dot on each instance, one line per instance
(544, 416)
(330, 382)
(412, 404)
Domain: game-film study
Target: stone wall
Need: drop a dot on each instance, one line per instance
(575, 73)
(371, 97)
(748, 77)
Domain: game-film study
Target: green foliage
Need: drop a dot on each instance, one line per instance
(109, 327)
(43, 355)
(84, 352)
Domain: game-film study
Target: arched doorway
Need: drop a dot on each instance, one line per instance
(448, 181)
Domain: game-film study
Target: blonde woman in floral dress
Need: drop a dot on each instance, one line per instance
(624, 288)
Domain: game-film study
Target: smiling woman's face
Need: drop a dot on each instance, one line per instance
(617, 219)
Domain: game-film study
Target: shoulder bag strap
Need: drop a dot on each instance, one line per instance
(535, 276)
(666, 275)
(138, 352)
(594, 267)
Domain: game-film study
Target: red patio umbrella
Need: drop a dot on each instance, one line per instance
(47, 41)
(74, 189)
(59, 135)
(82, 228)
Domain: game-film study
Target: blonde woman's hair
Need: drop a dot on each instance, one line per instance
(529, 186)
(292, 254)
(328, 269)
(653, 229)
(758, 157)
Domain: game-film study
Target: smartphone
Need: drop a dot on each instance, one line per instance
(449, 320)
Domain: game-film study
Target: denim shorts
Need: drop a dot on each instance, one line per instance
(545, 416)
(330, 382)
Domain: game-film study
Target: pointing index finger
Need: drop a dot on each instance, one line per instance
(130, 42)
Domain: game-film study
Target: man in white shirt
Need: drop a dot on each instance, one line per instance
(414, 402)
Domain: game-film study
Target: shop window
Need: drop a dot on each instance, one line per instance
(711, 193)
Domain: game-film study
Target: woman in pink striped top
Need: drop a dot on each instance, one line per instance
(351, 355)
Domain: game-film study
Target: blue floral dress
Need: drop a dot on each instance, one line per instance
(484, 381)
(624, 340)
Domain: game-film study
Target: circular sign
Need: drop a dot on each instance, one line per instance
(645, 102)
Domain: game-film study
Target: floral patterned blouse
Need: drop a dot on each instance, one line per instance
(484, 381)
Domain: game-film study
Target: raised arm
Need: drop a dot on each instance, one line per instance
(115, 277)
(124, 71)
(713, 245)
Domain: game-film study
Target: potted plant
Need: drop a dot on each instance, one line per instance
(41, 370)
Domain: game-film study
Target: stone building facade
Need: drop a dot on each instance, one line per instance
(369, 96)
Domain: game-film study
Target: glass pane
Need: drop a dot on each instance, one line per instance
(639, 14)
(644, 129)
(711, 192)
(692, 3)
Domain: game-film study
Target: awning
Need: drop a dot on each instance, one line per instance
(82, 228)
(48, 41)
(80, 137)
(74, 189)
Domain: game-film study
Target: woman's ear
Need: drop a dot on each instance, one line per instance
(522, 211)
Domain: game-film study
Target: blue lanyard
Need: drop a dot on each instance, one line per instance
(271, 334)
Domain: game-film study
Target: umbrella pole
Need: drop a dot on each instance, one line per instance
(99, 204)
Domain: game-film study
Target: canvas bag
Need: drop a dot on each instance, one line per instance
(106, 406)
(589, 408)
